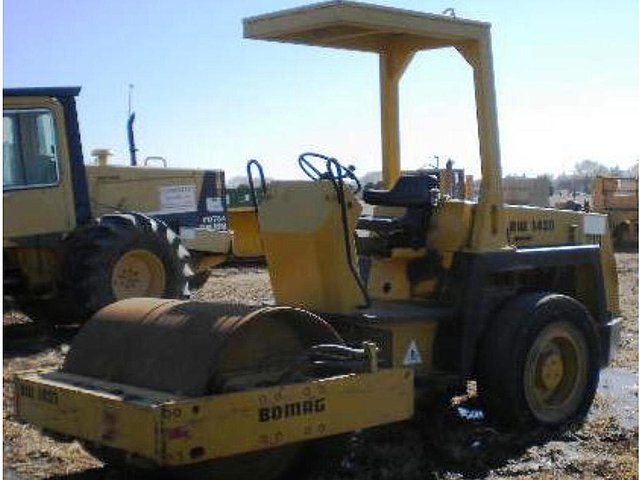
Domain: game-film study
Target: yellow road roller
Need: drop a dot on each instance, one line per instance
(424, 294)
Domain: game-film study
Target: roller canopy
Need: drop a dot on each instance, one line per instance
(358, 26)
(396, 35)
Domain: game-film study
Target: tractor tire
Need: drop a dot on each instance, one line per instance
(122, 256)
(538, 364)
(197, 281)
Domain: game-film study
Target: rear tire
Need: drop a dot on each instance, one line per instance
(539, 363)
(122, 256)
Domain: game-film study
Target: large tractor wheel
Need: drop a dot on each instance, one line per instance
(197, 349)
(539, 363)
(123, 256)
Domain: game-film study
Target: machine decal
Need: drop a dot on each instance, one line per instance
(178, 198)
(412, 357)
(48, 395)
(188, 210)
(535, 225)
(42, 394)
(288, 410)
(217, 223)
(180, 432)
(26, 390)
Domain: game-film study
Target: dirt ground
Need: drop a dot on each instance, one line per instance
(440, 446)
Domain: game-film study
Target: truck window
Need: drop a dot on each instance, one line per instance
(29, 149)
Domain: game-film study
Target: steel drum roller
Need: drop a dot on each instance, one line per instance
(194, 349)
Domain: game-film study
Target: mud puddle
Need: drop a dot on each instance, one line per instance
(619, 392)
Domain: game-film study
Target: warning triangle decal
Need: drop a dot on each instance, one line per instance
(412, 357)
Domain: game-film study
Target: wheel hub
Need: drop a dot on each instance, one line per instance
(138, 273)
(551, 369)
(555, 372)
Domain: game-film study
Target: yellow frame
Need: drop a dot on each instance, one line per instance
(169, 430)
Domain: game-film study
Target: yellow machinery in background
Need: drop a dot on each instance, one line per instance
(77, 237)
(618, 198)
(242, 204)
(243, 221)
(426, 289)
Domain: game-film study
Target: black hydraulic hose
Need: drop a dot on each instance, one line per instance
(338, 185)
(252, 187)
(132, 141)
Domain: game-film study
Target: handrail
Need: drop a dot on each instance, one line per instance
(252, 188)
(161, 159)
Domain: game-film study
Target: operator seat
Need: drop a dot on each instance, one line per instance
(418, 194)
(411, 191)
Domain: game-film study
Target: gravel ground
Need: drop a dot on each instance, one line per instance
(439, 446)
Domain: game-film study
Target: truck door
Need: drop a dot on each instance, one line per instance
(37, 192)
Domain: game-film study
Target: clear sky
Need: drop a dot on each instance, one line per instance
(566, 78)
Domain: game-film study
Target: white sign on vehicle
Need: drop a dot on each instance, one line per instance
(214, 204)
(595, 224)
(412, 357)
(178, 199)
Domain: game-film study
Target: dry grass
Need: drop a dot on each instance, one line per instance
(627, 265)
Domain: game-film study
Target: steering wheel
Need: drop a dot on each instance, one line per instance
(333, 170)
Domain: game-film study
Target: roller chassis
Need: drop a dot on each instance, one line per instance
(156, 429)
